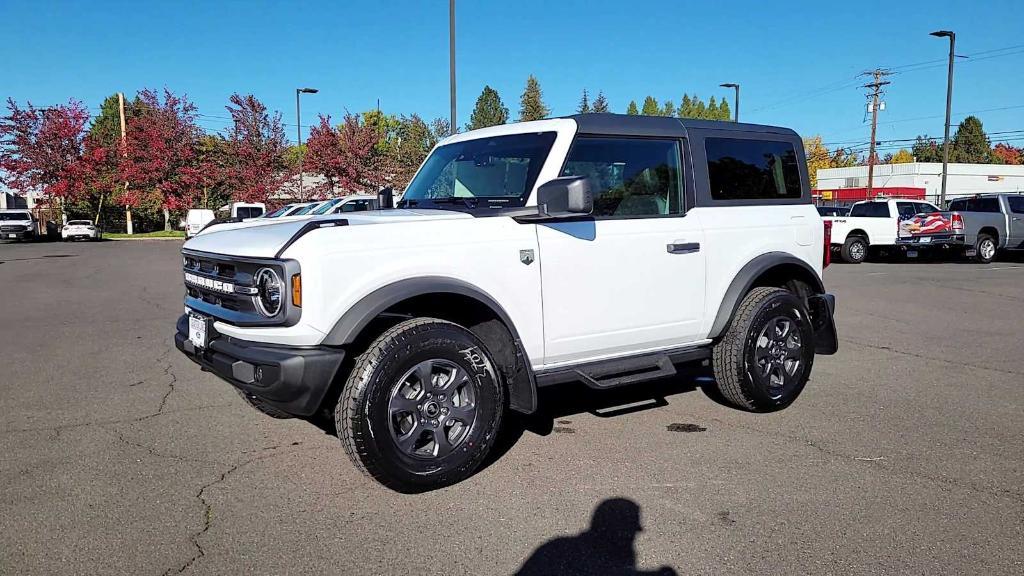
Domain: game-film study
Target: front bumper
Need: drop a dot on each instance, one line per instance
(24, 235)
(822, 308)
(292, 379)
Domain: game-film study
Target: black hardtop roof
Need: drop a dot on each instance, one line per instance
(635, 125)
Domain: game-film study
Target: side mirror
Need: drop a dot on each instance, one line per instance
(565, 197)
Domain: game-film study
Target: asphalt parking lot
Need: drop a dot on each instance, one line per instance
(904, 455)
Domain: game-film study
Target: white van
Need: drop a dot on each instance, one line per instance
(244, 210)
(196, 220)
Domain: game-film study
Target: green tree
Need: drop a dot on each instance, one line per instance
(926, 149)
(724, 113)
(651, 107)
(489, 110)
(685, 107)
(669, 108)
(700, 110)
(600, 104)
(584, 106)
(970, 143)
(632, 110)
(712, 110)
(531, 104)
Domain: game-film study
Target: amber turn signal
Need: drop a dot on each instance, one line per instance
(297, 290)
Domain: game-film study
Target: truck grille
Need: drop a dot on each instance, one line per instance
(13, 228)
(222, 287)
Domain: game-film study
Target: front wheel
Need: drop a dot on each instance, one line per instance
(985, 249)
(422, 406)
(764, 359)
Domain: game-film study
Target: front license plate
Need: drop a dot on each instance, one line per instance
(925, 239)
(197, 331)
(912, 253)
(12, 235)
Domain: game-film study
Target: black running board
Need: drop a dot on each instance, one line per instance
(623, 371)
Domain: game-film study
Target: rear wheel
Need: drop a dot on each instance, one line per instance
(422, 406)
(764, 359)
(985, 248)
(854, 250)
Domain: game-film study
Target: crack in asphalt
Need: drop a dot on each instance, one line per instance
(924, 357)
(882, 465)
(62, 427)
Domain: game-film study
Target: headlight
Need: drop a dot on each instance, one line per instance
(270, 292)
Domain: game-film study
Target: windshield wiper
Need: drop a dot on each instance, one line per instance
(467, 202)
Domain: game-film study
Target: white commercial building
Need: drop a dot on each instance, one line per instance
(962, 179)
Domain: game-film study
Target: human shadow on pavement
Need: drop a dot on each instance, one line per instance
(606, 548)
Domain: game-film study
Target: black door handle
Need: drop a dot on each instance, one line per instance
(686, 248)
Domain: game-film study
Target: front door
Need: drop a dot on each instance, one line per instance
(1016, 221)
(631, 278)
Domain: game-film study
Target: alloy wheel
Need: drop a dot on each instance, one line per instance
(432, 408)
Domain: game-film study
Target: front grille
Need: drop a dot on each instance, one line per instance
(221, 286)
(13, 228)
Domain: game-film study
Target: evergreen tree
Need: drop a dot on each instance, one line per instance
(724, 113)
(970, 144)
(926, 149)
(632, 110)
(669, 109)
(600, 104)
(686, 107)
(712, 110)
(531, 104)
(584, 107)
(651, 107)
(700, 110)
(489, 110)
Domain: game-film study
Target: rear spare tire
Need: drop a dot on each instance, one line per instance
(422, 406)
(763, 361)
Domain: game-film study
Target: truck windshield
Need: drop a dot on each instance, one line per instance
(12, 216)
(499, 171)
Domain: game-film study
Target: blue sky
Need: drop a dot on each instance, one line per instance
(796, 61)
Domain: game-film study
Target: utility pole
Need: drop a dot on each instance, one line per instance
(451, 59)
(876, 92)
(124, 151)
(949, 106)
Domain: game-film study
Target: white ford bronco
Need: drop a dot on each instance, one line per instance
(599, 248)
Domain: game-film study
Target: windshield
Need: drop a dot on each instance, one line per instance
(295, 209)
(278, 212)
(79, 223)
(500, 171)
(870, 210)
(249, 211)
(326, 206)
(9, 216)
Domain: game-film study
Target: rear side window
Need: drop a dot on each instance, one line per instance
(740, 169)
(870, 210)
(1016, 204)
(986, 204)
(906, 210)
(632, 177)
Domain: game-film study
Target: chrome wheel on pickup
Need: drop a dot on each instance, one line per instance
(422, 406)
(985, 249)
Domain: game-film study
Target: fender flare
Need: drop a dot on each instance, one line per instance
(522, 386)
(744, 281)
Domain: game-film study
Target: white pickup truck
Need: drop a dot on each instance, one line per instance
(872, 224)
(600, 248)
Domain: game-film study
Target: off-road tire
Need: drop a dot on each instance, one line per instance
(733, 357)
(854, 250)
(981, 249)
(262, 406)
(362, 414)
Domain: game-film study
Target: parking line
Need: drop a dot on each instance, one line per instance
(999, 268)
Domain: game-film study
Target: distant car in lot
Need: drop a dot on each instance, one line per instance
(80, 230)
(196, 220)
(872, 224)
(833, 211)
(978, 226)
(17, 225)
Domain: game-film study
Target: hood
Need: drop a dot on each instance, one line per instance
(264, 239)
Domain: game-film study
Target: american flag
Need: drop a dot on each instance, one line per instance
(934, 223)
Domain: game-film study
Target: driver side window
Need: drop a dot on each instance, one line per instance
(632, 178)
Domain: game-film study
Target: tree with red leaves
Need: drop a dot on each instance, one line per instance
(257, 146)
(364, 165)
(1007, 154)
(323, 154)
(159, 147)
(39, 145)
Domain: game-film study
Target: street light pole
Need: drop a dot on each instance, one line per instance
(736, 112)
(298, 130)
(949, 106)
(451, 60)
